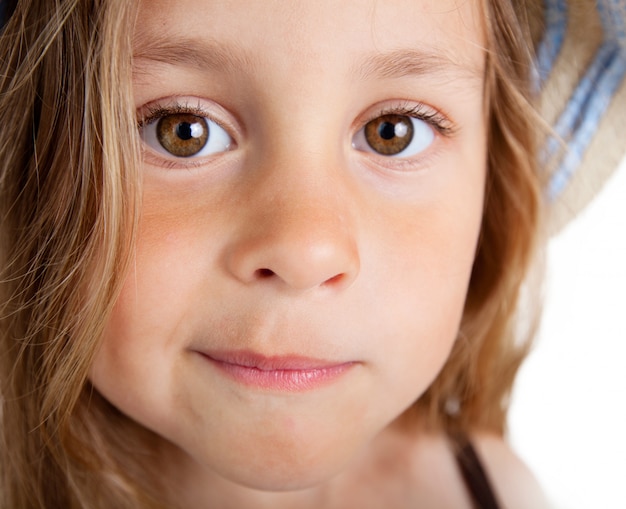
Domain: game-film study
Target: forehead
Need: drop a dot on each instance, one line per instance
(364, 37)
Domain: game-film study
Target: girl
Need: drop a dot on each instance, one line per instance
(264, 254)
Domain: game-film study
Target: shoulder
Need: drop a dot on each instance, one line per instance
(513, 482)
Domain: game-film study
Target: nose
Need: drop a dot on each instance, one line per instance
(297, 232)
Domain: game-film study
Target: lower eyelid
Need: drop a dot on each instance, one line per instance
(438, 123)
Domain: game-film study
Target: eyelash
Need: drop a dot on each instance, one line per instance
(419, 111)
(436, 119)
(155, 113)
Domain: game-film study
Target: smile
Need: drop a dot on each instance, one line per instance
(280, 373)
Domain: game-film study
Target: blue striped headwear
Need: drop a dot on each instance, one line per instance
(586, 39)
(593, 107)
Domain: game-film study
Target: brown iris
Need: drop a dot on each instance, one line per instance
(182, 134)
(389, 134)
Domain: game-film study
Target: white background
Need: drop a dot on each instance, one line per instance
(568, 418)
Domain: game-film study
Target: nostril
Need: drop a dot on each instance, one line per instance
(264, 273)
(335, 280)
(269, 274)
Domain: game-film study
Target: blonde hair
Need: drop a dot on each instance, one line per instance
(67, 220)
(68, 202)
(472, 391)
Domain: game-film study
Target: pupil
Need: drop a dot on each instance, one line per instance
(183, 131)
(387, 131)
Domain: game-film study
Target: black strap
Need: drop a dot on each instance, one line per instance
(474, 474)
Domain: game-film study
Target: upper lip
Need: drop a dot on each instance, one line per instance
(262, 362)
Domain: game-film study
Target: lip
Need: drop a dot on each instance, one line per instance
(288, 373)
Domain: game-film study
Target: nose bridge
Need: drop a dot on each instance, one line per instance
(299, 227)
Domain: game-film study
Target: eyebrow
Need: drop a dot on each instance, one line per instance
(410, 62)
(211, 55)
(188, 52)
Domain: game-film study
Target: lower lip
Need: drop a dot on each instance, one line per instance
(282, 380)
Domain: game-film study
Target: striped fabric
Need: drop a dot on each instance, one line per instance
(579, 121)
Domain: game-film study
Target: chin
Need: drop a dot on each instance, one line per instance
(282, 474)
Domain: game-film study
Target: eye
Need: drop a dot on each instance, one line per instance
(394, 135)
(185, 135)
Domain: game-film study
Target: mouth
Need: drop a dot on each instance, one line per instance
(279, 373)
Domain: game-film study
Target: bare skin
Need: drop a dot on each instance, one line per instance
(400, 469)
(298, 281)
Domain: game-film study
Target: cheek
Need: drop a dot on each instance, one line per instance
(424, 262)
(170, 266)
(133, 367)
(400, 317)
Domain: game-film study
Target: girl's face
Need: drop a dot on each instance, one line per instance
(313, 185)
